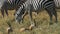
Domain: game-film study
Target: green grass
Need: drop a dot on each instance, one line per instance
(42, 24)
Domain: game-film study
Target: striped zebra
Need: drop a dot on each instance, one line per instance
(36, 5)
(10, 5)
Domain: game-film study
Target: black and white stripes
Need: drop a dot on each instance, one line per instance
(10, 5)
(36, 5)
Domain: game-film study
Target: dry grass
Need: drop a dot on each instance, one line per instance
(42, 24)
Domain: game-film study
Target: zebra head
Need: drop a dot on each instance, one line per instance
(19, 14)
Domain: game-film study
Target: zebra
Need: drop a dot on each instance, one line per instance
(10, 5)
(36, 5)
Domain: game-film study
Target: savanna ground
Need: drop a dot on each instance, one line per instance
(42, 24)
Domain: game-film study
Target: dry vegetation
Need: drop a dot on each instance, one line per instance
(42, 24)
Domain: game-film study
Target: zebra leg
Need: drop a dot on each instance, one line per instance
(6, 12)
(55, 14)
(49, 12)
(2, 11)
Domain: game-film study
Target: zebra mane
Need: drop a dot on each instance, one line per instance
(19, 10)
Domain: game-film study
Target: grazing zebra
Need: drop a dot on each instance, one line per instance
(10, 5)
(36, 5)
